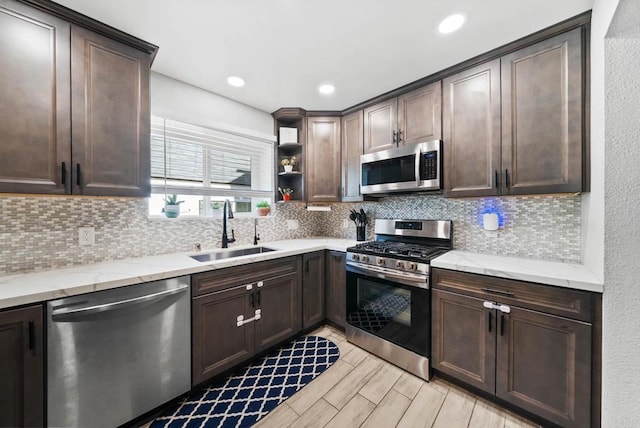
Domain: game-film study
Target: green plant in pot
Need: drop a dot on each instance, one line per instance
(172, 206)
(263, 208)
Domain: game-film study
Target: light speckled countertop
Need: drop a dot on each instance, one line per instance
(40, 286)
(567, 275)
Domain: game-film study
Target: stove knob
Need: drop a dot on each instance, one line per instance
(381, 261)
(413, 266)
(365, 258)
(355, 257)
(400, 265)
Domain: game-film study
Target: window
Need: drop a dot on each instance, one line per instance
(205, 167)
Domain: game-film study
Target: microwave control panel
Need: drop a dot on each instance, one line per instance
(429, 165)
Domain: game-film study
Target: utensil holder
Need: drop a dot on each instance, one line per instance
(360, 233)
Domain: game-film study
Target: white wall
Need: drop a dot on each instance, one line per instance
(621, 300)
(593, 202)
(180, 101)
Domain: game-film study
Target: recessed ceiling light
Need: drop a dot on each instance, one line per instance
(451, 23)
(236, 81)
(326, 89)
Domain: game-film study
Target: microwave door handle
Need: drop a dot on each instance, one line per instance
(417, 167)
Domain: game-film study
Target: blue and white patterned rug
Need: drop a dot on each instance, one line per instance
(246, 396)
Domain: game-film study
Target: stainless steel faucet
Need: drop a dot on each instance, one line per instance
(227, 213)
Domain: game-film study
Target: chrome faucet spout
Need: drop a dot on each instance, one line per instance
(226, 214)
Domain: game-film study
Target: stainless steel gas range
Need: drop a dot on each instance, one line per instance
(388, 298)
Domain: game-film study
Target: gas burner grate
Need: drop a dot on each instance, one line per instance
(400, 250)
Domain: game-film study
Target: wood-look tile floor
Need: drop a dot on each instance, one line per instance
(362, 390)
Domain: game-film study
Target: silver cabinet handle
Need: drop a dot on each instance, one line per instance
(240, 321)
(115, 305)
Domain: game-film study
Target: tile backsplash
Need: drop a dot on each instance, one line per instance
(41, 232)
(542, 227)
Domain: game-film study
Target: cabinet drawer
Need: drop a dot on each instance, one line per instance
(220, 279)
(549, 299)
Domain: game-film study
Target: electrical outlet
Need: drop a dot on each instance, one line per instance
(293, 224)
(87, 235)
(345, 223)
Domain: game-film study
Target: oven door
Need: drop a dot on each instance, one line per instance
(382, 306)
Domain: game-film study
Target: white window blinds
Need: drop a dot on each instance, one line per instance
(191, 159)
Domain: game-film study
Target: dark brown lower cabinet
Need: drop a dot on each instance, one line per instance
(22, 367)
(464, 343)
(495, 335)
(313, 289)
(218, 343)
(544, 366)
(277, 300)
(335, 288)
(241, 311)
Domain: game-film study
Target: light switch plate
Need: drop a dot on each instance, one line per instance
(345, 223)
(293, 224)
(87, 235)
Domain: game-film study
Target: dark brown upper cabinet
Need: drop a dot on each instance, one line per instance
(352, 149)
(471, 121)
(22, 367)
(323, 159)
(76, 108)
(410, 118)
(542, 126)
(515, 125)
(35, 129)
(110, 116)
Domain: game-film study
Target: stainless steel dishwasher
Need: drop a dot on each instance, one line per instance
(116, 354)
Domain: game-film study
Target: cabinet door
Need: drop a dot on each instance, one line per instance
(335, 290)
(352, 149)
(380, 123)
(542, 125)
(323, 159)
(463, 343)
(278, 300)
(21, 368)
(471, 121)
(35, 138)
(420, 115)
(218, 343)
(110, 112)
(544, 365)
(313, 289)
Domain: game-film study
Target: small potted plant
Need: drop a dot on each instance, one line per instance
(263, 208)
(172, 206)
(288, 164)
(286, 193)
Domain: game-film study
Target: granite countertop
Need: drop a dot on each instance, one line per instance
(32, 287)
(568, 275)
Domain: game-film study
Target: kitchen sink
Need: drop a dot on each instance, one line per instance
(219, 255)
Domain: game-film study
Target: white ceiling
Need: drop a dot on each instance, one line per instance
(285, 49)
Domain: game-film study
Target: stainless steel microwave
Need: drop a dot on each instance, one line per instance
(414, 168)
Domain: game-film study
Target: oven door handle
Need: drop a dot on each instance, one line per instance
(419, 281)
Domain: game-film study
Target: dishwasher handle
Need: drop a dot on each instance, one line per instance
(116, 305)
